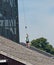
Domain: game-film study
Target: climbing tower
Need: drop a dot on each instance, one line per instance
(9, 23)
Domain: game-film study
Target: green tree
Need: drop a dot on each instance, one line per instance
(52, 51)
(48, 48)
(39, 43)
(42, 43)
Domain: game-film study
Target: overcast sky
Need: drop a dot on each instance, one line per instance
(38, 16)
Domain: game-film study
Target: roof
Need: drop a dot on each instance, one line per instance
(23, 54)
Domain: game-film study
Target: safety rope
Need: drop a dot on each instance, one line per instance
(24, 14)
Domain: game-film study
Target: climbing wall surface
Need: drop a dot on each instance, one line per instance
(9, 26)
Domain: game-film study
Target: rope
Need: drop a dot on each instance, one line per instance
(24, 13)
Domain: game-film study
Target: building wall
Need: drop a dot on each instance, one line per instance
(9, 23)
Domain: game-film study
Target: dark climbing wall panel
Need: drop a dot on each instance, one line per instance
(9, 24)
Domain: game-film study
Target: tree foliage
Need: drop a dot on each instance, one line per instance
(42, 43)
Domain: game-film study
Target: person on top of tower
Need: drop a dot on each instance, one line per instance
(27, 40)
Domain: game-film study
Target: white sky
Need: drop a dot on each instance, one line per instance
(38, 15)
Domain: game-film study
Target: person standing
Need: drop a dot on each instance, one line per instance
(27, 40)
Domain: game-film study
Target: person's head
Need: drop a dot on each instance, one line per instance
(26, 35)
